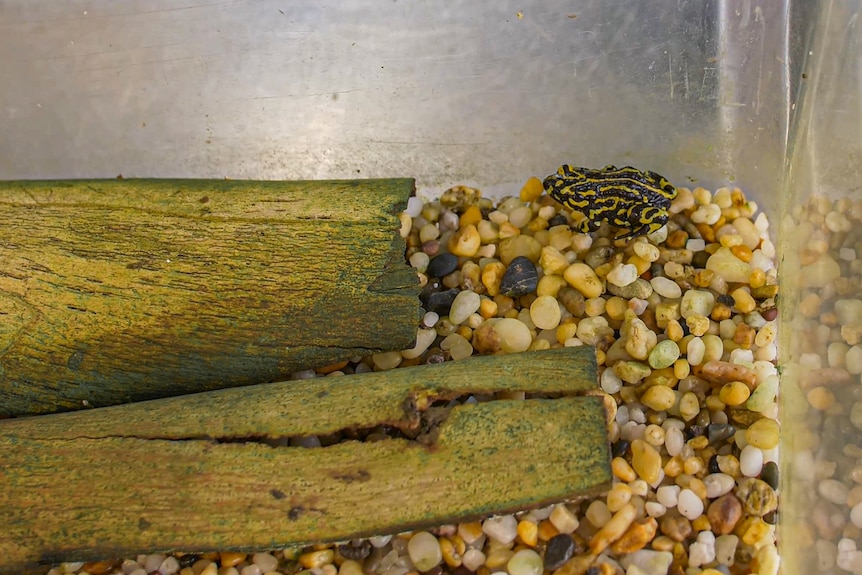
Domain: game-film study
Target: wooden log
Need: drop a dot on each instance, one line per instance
(219, 470)
(126, 290)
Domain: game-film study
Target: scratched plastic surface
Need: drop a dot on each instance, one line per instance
(443, 90)
(446, 91)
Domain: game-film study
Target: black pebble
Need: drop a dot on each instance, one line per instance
(557, 220)
(770, 474)
(356, 549)
(771, 518)
(520, 278)
(438, 301)
(619, 448)
(188, 560)
(442, 265)
(713, 464)
(559, 550)
(725, 299)
(718, 432)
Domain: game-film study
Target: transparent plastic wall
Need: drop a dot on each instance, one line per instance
(821, 306)
(490, 93)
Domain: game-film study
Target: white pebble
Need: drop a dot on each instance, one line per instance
(695, 245)
(420, 261)
(251, 570)
(598, 513)
(430, 319)
(718, 484)
(648, 561)
(654, 509)
(702, 551)
(834, 491)
(414, 207)
(71, 567)
(610, 382)
(525, 562)
(265, 561)
(473, 559)
(424, 338)
(667, 288)
(725, 549)
(623, 274)
(668, 495)
(465, 303)
(674, 441)
(847, 254)
(563, 519)
(152, 562)
(856, 515)
(695, 351)
(503, 528)
(424, 551)
(750, 461)
(170, 566)
(689, 504)
(379, 541)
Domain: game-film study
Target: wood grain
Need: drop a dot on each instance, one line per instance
(208, 472)
(126, 290)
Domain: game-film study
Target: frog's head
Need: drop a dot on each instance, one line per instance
(566, 176)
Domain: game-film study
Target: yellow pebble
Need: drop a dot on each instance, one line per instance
(471, 216)
(646, 461)
(673, 467)
(820, 398)
(498, 558)
(470, 532)
(492, 275)
(550, 285)
(528, 532)
(698, 442)
(616, 307)
(350, 567)
(714, 403)
(757, 278)
(566, 331)
(742, 252)
(618, 496)
(547, 530)
(563, 519)
(640, 264)
(763, 433)
(229, 559)
(752, 530)
(693, 466)
(507, 230)
(316, 559)
(465, 242)
(711, 571)
(532, 190)
(698, 487)
(659, 398)
(689, 406)
(701, 524)
(743, 300)
(675, 333)
(622, 470)
(734, 393)
(487, 308)
(450, 556)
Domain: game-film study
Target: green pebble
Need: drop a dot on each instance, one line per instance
(631, 371)
(663, 354)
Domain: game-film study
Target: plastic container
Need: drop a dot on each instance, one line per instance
(763, 95)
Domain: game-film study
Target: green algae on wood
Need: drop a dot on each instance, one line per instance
(215, 471)
(125, 290)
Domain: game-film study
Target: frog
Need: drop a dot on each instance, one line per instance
(635, 200)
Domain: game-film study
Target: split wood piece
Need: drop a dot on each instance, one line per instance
(114, 291)
(220, 470)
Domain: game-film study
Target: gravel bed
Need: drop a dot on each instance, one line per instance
(684, 321)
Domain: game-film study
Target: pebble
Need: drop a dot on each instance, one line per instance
(465, 242)
(702, 551)
(640, 289)
(463, 306)
(613, 529)
(750, 461)
(563, 519)
(545, 312)
(756, 496)
(658, 397)
(582, 277)
(424, 339)
(728, 267)
(438, 301)
(442, 265)
(525, 562)
(769, 474)
(724, 513)
(664, 354)
(503, 528)
(520, 278)
(636, 537)
(646, 461)
(689, 504)
(265, 561)
(622, 275)
(473, 559)
(355, 550)
(719, 432)
(424, 551)
(718, 484)
(665, 287)
(648, 561)
(668, 495)
(559, 550)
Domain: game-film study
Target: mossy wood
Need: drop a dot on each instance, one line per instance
(124, 290)
(217, 470)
